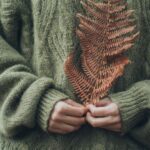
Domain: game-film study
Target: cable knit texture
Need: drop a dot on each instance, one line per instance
(36, 36)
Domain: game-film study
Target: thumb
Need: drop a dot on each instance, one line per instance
(104, 102)
(73, 103)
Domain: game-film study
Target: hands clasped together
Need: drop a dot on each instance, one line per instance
(69, 116)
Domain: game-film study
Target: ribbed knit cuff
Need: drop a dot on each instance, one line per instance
(46, 106)
(131, 104)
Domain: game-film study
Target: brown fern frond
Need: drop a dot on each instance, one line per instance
(105, 34)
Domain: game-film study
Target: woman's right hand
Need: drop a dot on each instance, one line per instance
(67, 116)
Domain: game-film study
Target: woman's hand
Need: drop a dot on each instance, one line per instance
(67, 116)
(104, 115)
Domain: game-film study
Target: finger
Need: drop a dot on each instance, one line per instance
(75, 111)
(68, 119)
(103, 102)
(74, 121)
(109, 110)
(63, 127)
(73, 103)
(101, 122)
(64, 108)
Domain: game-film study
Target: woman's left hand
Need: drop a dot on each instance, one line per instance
(105, 114)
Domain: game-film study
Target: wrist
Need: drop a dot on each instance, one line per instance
(47, 105)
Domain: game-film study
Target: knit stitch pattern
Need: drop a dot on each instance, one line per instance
(36, 38)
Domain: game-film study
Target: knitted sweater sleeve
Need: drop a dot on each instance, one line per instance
(24, 97)
(26, 100)
(134, 105)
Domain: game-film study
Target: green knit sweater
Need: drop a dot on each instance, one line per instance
(36, 36)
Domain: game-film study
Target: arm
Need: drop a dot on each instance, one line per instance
(134, 106)
(134, 103)
(23, 96)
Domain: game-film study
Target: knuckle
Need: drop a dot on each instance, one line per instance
(112, 111)
(81, 112)
(55, 116)
(60, 107)
(64, 107)
(115, 108)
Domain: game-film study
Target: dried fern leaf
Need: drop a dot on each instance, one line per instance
(105, 34)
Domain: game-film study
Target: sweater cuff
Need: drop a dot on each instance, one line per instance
(131, 105)
(46, 106)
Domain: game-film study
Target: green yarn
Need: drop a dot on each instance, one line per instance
(36, 38)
